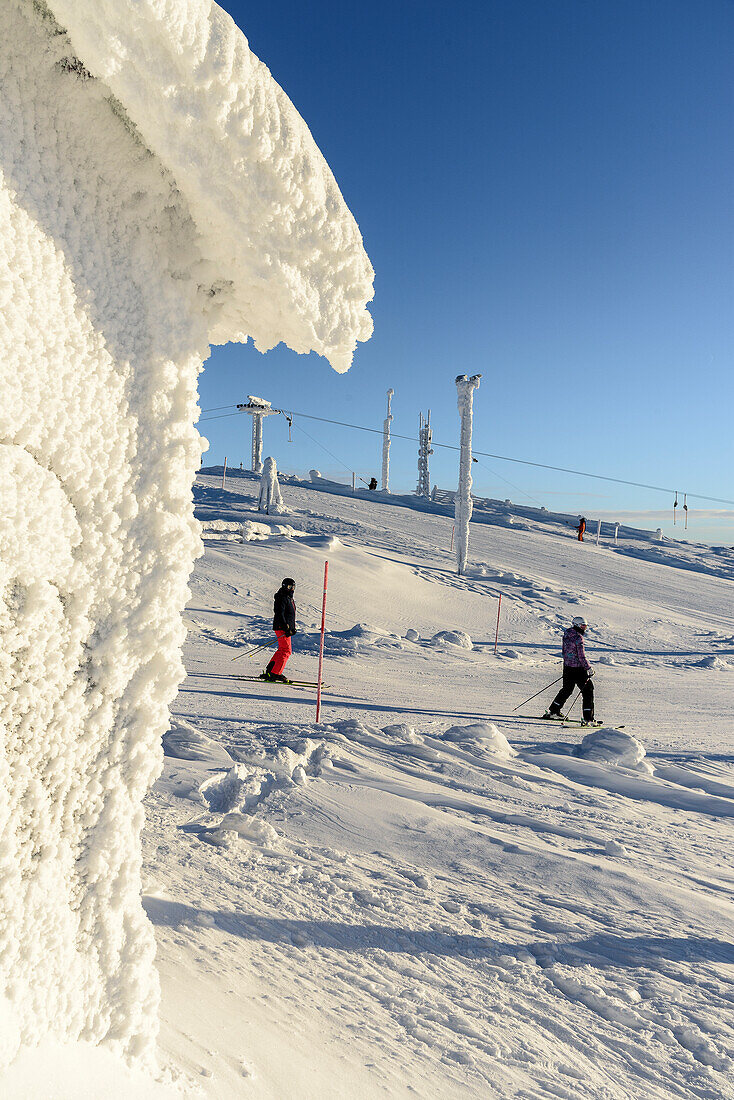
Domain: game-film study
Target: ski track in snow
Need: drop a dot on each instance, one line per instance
(428, 895)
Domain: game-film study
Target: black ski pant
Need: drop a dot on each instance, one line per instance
(575, 677)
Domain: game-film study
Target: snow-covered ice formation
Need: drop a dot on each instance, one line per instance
(271, 498)
(158, 192)
(281, 256)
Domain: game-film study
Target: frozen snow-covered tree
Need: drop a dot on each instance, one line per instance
(158, 193)
(463, 505)
(271, 498)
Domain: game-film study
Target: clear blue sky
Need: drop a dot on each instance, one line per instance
(546, 191)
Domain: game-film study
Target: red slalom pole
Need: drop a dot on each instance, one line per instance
(497, 632)
(321, 645)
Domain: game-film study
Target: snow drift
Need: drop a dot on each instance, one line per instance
(157, 192)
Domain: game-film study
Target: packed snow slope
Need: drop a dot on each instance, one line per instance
(430, 893)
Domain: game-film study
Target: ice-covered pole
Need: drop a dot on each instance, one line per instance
(257, 443)
(463, 502)
(257, 408)
(321, 642)
(386, 445)
(424, 452)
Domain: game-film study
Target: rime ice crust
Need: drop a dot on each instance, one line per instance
(115, 265)
(116, 269)
(282, 256)
(100, 343)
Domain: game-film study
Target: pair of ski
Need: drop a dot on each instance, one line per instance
(282, 683)
(578, 723)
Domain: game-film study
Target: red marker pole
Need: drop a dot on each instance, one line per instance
(497, 632)
(321, 645)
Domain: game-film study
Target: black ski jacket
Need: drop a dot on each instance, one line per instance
(284, 607)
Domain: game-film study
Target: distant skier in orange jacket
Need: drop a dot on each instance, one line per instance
(581, 528)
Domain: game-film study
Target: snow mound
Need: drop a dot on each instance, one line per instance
(483, 737)
(249, 782)
(249, 828)
(221, 529)
(710, 662)
(403, 732)
(183, 741)
(345, 643)
(610, 746)
(365, 631)
(259, 532)
(226, 791)
(452, 637)
(324, 542)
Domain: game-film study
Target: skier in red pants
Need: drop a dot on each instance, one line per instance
(284, 625)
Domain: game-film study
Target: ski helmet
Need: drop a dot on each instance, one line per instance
(288, 582)
(579, 620)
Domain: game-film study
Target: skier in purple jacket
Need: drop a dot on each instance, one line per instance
(577, 672)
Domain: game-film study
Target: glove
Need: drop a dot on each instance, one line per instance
(590, 674)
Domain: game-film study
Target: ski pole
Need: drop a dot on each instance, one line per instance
(321, 643)
(573, 704)
(536, 694)
(251, 651)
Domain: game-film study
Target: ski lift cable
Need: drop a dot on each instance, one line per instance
(222, 416)
(323, 448)
(499, 458)
(521, 461)
(510, 483)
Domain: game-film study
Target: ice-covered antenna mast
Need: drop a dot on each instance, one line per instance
(257, 408)
(424, 451)
(386, 445)
(463, 503)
